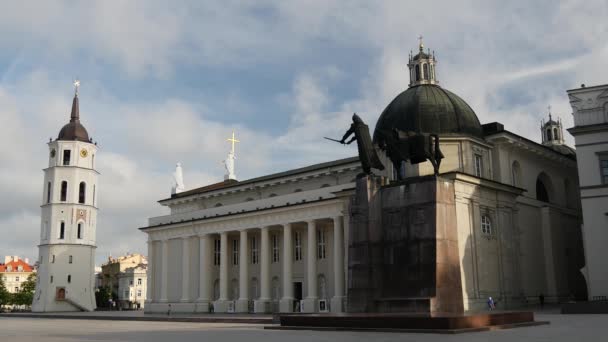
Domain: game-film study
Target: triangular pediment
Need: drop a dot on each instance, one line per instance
(604, 94)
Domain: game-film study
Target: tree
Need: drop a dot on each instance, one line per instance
(25, 296)
(4, 295)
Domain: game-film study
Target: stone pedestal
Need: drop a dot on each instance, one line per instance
(242, 306)
(337, 304)
(310, 305)
(403, 247)
(203, 307)
(221, 306)
(286, 305)
(262, 306)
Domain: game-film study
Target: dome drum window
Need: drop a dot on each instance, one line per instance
(486, 225)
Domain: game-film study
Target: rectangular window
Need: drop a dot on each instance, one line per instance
(478, 165)
(235, 252)
(604, 168)
(254, 251)
(138, 293)
(53, 259)
(321, 244)
(275, 247)
(62, 231)
(131, 282)
(297, 246)
(70, 259)
(16, 289)
(66, 157)
(138, 281)
(51, 279)
(16, 278)
(217, 252)
(64, 191)
(126, 294)
(48, 193)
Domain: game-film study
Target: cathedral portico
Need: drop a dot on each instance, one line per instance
(253, 268)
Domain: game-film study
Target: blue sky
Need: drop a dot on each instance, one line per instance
(164, 82)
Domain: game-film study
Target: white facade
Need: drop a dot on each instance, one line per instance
(67, 235)
(132, 286)
(590, 131)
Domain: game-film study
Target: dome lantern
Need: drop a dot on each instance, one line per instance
(422, 67)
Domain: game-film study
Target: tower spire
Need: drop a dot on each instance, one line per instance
(75, 115)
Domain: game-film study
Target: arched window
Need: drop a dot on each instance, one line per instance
(543, 187)
(48, 193)
(555, 135)
(93, 194)
(549, 134)
(64, 191)
(70, 259)
(82, 191)
(432, 71)
(486, 224)
(516, 174)
(425, 71)
(79, 233)
(417, 72)
(69, 278)
(62, 230)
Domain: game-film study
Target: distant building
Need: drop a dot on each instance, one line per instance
(590, 131)
(126, 276)
(15, 272)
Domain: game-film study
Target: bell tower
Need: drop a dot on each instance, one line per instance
(422, 66)
(551, 131)
(68, 221)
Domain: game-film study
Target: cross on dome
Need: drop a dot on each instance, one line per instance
(76, 86)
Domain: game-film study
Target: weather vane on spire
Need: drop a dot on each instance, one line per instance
(76, 86)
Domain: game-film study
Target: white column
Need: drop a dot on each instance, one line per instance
(338, 299)
(262, 304)
(224, 266)
(204, 281)
(243, 303)
(150, 273)
(185, 269)
(164, 268)
(310, 303)
(286, 304)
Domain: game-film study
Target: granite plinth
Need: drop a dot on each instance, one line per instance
(403, 247)
(379, 321)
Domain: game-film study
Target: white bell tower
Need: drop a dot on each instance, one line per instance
(68, 220)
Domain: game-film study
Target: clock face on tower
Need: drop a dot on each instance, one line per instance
(83, 153)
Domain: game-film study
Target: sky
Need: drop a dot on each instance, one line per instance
(165, 82)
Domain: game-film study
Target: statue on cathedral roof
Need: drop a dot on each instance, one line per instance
(178, 180)
(229, 161)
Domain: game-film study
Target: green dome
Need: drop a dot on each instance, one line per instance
(429, 109)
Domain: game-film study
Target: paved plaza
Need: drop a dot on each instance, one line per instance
(562, 328)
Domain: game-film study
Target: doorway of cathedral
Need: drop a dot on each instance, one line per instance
(297, 296)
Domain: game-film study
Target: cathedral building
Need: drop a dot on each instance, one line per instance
(590, 131)
(68, 220)
(279, 242)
